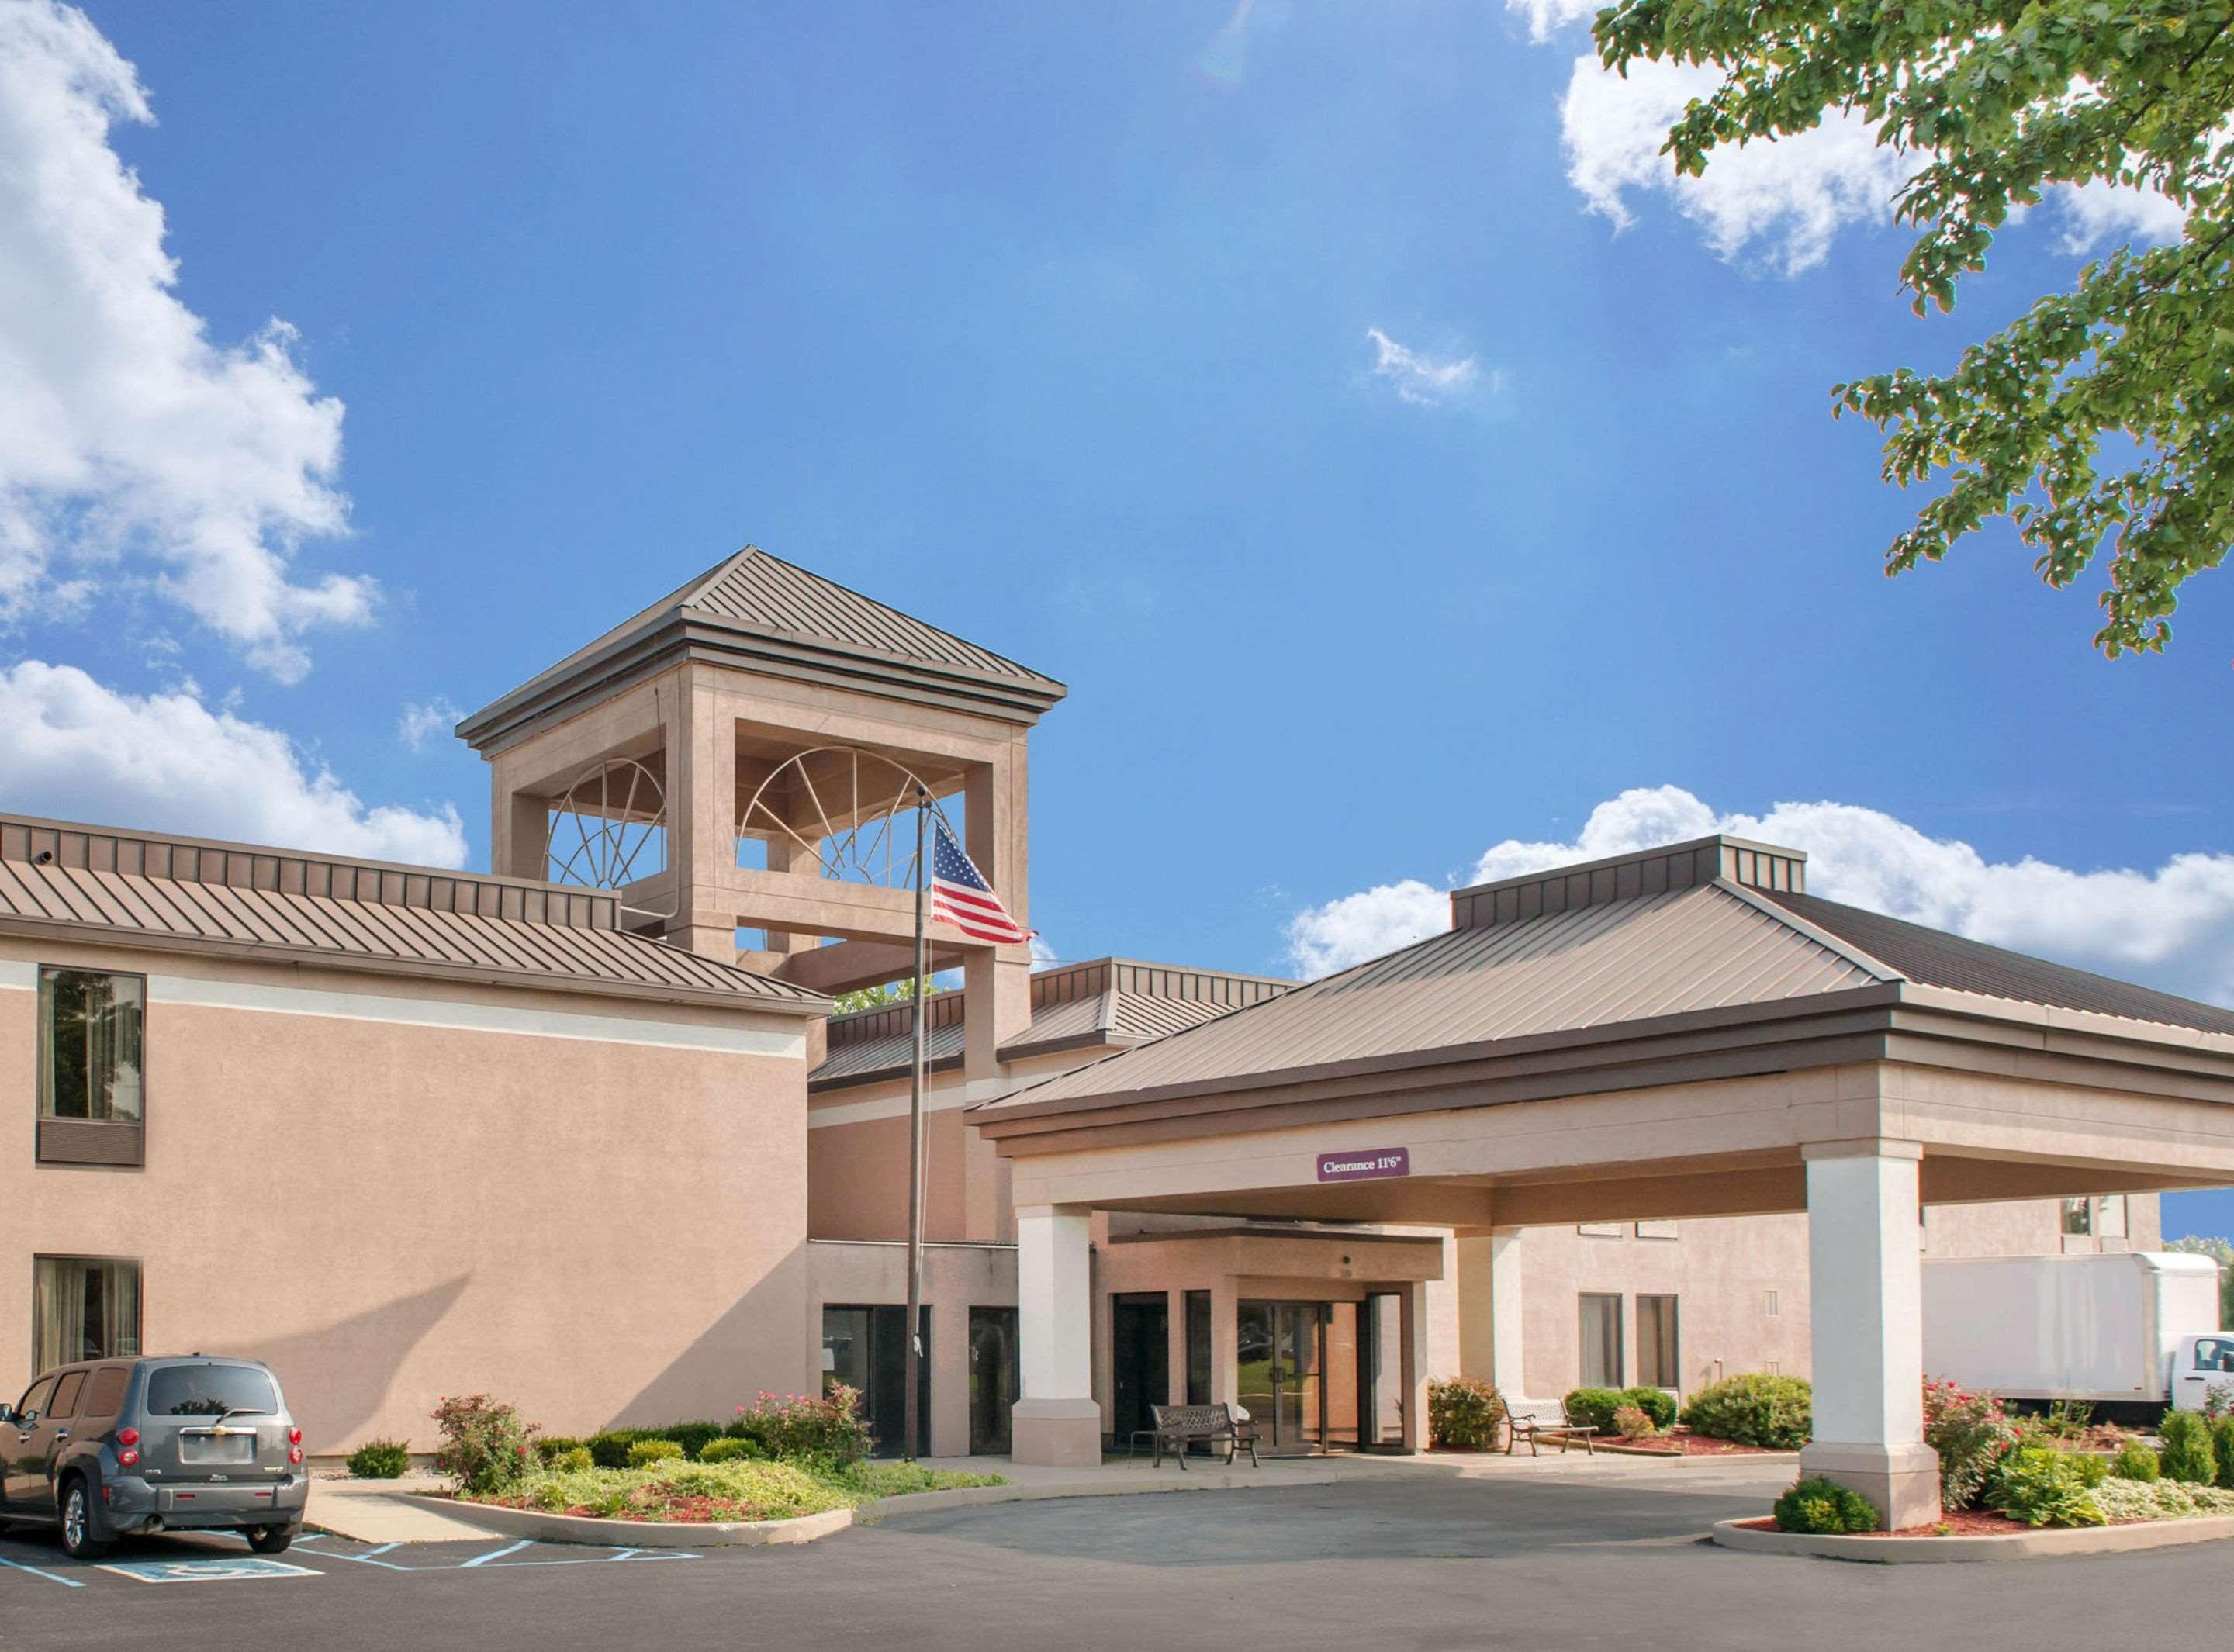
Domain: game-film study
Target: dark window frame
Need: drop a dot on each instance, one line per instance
(60, 1138)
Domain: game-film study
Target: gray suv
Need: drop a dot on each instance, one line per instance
(181, 1445)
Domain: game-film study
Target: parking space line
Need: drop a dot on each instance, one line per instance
(496, 1554)
(51, 1577)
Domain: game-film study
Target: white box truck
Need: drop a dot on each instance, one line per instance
(2130, 1333)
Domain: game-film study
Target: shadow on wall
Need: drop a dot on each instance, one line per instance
(758, 1343)
(336, 1377)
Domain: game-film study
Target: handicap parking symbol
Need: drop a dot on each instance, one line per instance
(226, 1570)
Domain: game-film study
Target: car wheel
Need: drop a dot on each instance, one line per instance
(271, 1539)
(80, 1538)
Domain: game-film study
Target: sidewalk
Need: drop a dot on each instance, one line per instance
(368, 1511)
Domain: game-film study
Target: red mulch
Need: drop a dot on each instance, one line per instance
(1963, 1522)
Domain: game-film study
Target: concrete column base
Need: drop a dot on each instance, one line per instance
(1055, 1434)
(1903, 1481)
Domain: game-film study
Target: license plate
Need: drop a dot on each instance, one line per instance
(215, 1450)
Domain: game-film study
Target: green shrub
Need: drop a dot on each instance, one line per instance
(653, 1451)
(549, 1446)
(1595, 1407)
(1755, 1409)
(801, 1425)
(1825, 1508)
(1656, 1403)
(610, 1449)
(379, 1460)
(1972, 1434)
(741, 1488)
(1464, 1413)
(573, 1460)
(730, 1451)
(2222, 1447)
(2041, 1486)
(485, 1444)
(693, 1437)
(2187, 1455)
(2135, 1461)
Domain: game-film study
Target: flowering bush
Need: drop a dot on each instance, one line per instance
(1463, 1414)
(1633, 1423)
(801, 1426)
(1972, 1434)
(484, 1445)
(2218, 1400)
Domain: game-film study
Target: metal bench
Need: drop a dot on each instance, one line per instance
(1179, 1426)
(1540, 1420)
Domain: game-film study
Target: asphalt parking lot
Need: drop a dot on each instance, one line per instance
(1581, 1559)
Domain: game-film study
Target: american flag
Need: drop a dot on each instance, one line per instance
(960, 894)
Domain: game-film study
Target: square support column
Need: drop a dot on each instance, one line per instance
(1504, 1306)
(1057, 1423)
(1411, 1319)
(1865, 1306)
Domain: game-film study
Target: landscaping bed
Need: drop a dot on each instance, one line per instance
(1683, 1444)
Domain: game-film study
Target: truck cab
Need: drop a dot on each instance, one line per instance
(2199, 1364)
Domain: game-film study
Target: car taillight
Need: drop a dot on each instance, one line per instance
(127, 1436)
(128, 1457)
(294, 1436)
(294, 1454)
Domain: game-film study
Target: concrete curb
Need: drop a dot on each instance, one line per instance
(640, 1534)
(1702, 1457)
(2025, 1545)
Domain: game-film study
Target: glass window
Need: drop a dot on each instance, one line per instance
(1659, 1364)
(2078, 1217)
(209, 1391)
(35, 1398)
(1198, 1347)
(106, 1393)
(90, 1064)
(1600, 1230)
(1602, 1351)
(83, 1308)
(1657, 1231)
(66, 1394)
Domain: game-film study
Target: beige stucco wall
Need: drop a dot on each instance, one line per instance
(598, 1226)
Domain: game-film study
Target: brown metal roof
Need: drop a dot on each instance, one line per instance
(1700, 948)
(1938, 959)
(1104, 1003)
(767, 615)
(139, 889)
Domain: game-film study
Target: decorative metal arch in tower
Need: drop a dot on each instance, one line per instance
(609, 827)
(848, 808)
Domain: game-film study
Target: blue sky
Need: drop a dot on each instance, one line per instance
(1396, 467)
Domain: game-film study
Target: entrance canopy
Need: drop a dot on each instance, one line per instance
(1683, 1032)
(1658, 1034)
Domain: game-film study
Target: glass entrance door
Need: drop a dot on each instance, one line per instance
(1283, 1349)
(1140, 1360)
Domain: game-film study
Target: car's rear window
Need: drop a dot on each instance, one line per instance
(208, 1390)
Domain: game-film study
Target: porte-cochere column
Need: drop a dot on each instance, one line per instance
(1864, 1278)
(1057, 1422)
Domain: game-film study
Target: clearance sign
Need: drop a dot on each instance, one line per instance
(1367, 1165)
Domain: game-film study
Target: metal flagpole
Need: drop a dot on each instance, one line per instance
(912, 1378)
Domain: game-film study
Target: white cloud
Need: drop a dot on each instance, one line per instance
(1422, 379)
(74, 749)
(1788, 198)
(422, 720)
(2100, 214)
(1547, 17)
(2171, 927)
(131, 445)
(1323, 939)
